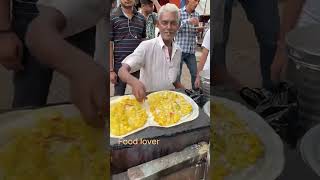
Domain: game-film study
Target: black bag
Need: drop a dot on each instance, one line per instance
(279, 109)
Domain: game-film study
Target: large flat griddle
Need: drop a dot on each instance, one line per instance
(171, 140)
(201, 122)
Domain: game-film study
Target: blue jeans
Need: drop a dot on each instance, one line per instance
(264, 16)
(190, 60)
(31, 86)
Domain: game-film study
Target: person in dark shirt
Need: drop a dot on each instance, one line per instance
(128, 30)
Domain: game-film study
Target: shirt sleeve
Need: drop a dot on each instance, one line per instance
(80, 14)
(136, 60)
(206, 40)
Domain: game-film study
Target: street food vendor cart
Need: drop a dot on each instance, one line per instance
(164, 152)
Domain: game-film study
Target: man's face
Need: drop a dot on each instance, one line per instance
(193, 4)
(168, 25)
(148, 8)
(127, 3)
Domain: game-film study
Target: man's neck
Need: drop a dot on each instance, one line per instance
(168, 43)
(128, 11)
(145, 14)
(188, 9)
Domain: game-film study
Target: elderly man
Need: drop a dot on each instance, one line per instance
(157, 59)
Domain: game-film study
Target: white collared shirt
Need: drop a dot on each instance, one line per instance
(158, 71)
(206, 44)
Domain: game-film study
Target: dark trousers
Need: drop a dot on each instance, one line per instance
(191, 62)
(264, 16)
(120, 86)
(31, 86)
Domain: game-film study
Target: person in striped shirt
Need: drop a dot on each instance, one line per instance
(186, 38)
(128, 30)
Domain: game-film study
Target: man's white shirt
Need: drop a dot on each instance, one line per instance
(206, 44)
(158, 71)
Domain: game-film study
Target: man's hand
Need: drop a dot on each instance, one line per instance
(194, 21)
(178, 85)
(156, 3)
(138, 90)
(200, 29)
(113, 77)
(89, 94)
(279, 64)
(88, 81)
(11, 50)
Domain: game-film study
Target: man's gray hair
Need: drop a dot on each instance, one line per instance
(169, 7)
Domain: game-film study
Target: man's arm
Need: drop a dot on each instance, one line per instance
(291, 13)
(138, 89)
(11, 48)
(203, 58)
(132, 63)
(45, 41)
(178, 85)
(125, 76)
(156, 4)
